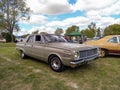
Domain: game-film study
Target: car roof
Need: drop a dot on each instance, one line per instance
(112, 36)
(107, 37)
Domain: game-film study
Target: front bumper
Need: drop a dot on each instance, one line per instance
(83, 60)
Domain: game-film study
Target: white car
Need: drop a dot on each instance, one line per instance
(2, 40)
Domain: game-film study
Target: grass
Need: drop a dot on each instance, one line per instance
(31, 74)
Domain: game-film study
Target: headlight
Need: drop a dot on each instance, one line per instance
(76, 55)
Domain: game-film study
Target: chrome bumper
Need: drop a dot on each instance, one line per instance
(84, 60)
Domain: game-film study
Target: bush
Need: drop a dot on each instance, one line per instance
(7, 37)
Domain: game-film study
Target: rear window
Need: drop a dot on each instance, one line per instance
(38, 38)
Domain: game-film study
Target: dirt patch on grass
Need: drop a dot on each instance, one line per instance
(37, 70)
(73, 85)
(9, 60)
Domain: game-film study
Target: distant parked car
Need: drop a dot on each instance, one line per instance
(109, 45)
(2, 40)
(96, 38)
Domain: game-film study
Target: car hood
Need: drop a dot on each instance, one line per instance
(71, 46)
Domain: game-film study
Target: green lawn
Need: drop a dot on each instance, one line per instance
(31, 74)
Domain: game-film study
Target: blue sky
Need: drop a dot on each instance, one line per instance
(47, 15)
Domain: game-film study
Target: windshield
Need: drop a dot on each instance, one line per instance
(54, 38)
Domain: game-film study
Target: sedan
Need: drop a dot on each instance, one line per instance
(108, 44)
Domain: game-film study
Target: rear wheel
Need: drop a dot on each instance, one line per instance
(104, 52)
(56, 64)
(23, 55)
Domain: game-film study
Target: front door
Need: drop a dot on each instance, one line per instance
(113, 45)
(118, 44)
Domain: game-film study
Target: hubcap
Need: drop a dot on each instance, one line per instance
(22, 54)
(55, 64)
(102, 53)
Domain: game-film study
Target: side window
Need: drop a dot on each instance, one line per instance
(31, 39)
(38, 38)
(113, 40)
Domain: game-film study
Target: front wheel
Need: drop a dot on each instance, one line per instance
(104, 52)
(56, 64)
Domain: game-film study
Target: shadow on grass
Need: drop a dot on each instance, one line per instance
(37, 60)
(84, 67)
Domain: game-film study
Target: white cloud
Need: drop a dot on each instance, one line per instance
(105, 21)
(68, 22)
(23, 31)
(50, 7)
(93, 4)
(34, 28)
(98, 7)
(35, 19)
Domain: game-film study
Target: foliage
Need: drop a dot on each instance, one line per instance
(8, 37)
(91, 31)
(24, 36)
(35, 32)
(11, 11)
(88, 33)
(59, 31)
(72, 29)
(43, 33)
(98, 32)
(112, 30)
(92, 27)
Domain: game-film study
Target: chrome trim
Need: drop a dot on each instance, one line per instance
(85, 59)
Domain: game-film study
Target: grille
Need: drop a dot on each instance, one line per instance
(88, 53)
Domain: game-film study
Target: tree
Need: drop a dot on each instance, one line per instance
(91, 30)
(72, 29)
(112, 30)
(35, 32)
(92, 27)
(43, 33)
(59, 31)
(88, 33)
(25, 35)
(11, 11)
(98, 32)
(7, 36)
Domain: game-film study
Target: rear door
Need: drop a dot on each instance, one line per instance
(29, 45)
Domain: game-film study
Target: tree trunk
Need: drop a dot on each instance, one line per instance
(12, 38)
(11, 35)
